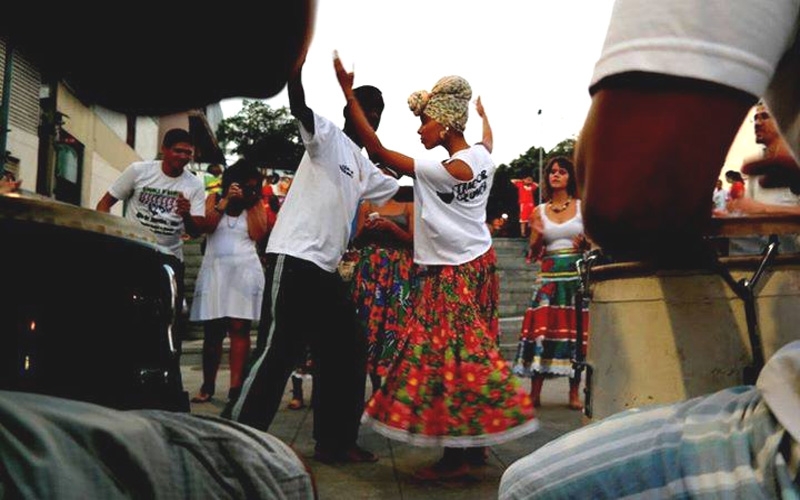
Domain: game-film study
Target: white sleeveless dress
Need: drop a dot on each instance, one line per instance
(230, 283)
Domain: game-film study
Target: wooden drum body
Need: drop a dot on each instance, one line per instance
(664, 336)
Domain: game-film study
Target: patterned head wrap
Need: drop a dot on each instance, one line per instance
(447, 103)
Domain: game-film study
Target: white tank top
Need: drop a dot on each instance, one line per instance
(558, 235)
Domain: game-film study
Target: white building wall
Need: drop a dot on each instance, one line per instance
(103, 175)
(147, 145)
(117, 122)
(214, 116)
(25, 146)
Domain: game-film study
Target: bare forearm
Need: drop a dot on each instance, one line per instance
(256, 222)
(105, 203)
(297, 102)
(194, 225)
(214, 211)
(488, 137)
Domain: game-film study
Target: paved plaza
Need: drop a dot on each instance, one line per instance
(391, 477)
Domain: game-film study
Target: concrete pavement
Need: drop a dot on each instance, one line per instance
(391, 477)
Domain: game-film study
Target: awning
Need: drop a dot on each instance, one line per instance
(206, 148)
(156, 58)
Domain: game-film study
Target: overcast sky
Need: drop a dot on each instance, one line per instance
(520, 56)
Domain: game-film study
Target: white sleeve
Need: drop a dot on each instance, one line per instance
(433, 173)
(317, 143)
(736, 43)
(378, 187)
(123, 187)
(198, 202)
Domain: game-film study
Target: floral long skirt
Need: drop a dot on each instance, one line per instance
(450, 386)
(548, 337)
(381, 292)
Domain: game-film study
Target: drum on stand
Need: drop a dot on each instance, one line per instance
(660, 336)
(88, 308)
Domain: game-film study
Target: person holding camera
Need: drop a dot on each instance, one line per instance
(230, 283)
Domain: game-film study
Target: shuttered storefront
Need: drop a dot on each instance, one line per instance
(25, 83)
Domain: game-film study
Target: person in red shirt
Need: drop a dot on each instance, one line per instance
(737, 184)
(525, 190)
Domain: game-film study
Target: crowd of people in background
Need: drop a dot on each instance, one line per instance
(417, 314)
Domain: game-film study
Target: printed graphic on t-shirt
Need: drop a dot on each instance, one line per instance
(467, 191)
(159, 207)
(346, 170)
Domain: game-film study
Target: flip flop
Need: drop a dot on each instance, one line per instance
(296, 404)
(202, 398)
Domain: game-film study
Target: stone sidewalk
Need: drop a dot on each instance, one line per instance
(391, 477)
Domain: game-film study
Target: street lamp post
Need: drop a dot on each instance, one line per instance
(541, 172)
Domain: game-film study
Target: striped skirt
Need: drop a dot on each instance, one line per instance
(547, 340)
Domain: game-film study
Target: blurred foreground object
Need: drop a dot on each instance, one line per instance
(88, 309)
(156, 59)
(73, 449)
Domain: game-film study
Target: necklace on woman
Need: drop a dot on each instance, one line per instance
(559, 208)
(228, 221)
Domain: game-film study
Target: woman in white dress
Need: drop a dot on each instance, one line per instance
(230, 283)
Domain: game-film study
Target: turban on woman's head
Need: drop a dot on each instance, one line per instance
(447, 103)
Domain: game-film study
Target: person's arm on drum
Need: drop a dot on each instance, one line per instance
(648, 156)
(749, 206)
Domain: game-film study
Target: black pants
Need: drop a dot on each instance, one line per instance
(305, 305)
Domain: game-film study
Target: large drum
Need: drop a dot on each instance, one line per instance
(88, 307)
(659, 336)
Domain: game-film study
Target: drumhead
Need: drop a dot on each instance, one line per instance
(29, 207)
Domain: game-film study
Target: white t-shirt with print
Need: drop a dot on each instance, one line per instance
(152, 198)
(450, 214)
(315, 219)
(747, 45)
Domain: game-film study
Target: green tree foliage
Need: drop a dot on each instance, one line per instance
(528, 163)
(503, 197)
(267, 136)
(564, 148)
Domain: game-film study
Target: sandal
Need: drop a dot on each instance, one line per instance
(202, 397)
(205, 395)
(296, 404)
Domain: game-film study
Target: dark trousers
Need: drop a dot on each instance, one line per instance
(305, 305)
